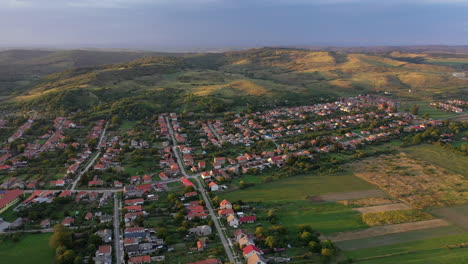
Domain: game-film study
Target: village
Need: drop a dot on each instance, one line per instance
(152, 196)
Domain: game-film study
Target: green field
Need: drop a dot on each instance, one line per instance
(441, 157)
(326, 218)
(31, 249)
(299, 187)
(356, 245)
(423, 251)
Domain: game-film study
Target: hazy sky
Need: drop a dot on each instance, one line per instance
(183, 24)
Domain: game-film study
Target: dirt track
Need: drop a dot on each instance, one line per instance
(383, 208)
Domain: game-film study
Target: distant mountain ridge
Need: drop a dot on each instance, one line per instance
(222, 81)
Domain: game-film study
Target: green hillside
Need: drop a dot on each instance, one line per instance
(221, 81)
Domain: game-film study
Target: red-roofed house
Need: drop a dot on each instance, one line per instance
(250, 250)
(68, 221)
(247, 219)
(8, 199)
(201, 245)
(139, 260)
(147, 179)
(225, 212)
(225, 204)
(213, 186)
(88, 216)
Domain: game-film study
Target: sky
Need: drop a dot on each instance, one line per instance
(218, 24)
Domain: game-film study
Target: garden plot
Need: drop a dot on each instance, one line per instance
(417, 183)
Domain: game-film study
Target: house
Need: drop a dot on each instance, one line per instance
(68, 221)
(250, 250)
(163, 176)
(88, 216)
(134, 232)
(105, 234)
(190, 194)
(232, 220)
(58, 183)
(245, 241)
(225, 204)
(147, 179)
(256, 259)
(205, 175)
(225, 212)
(8, 199)
(213, 186)
(138, 201)
(45, 223)
(247, 219)
(203, 230)
(133, 208)
(201, 244)
(118, 184)
(139, 260)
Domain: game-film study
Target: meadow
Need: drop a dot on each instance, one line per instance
(432, 250)
(30, 246)
(439, 156)
(355, 245)
(299, 187)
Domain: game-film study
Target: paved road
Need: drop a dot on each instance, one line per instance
(97, 154)
(228, 247)
(117, 241)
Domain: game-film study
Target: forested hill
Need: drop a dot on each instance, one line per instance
(215, 82)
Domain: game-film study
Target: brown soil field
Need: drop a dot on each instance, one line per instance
(388, 229)
(371, 201)
(333, 197)
(383, 208)
(417, 183)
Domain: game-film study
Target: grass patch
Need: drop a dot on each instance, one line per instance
(441, 157)
(423, 251)
(397, 238)
(326, 218)
(299, 187)
(31, 249)
(395, 217)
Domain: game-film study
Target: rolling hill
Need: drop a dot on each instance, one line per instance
(136, 83)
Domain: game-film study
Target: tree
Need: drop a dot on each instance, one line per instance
(315, 246)
(62, 237)
(270, 242)
(259, 231)
(189, 189)
(215, 200)
(415, 110)
(326, 252)
(306, 237)
(426, 116)
(162, 233)
(115, 120)
(67, 257)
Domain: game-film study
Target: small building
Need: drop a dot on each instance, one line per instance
(213, 186)
(232, 221)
